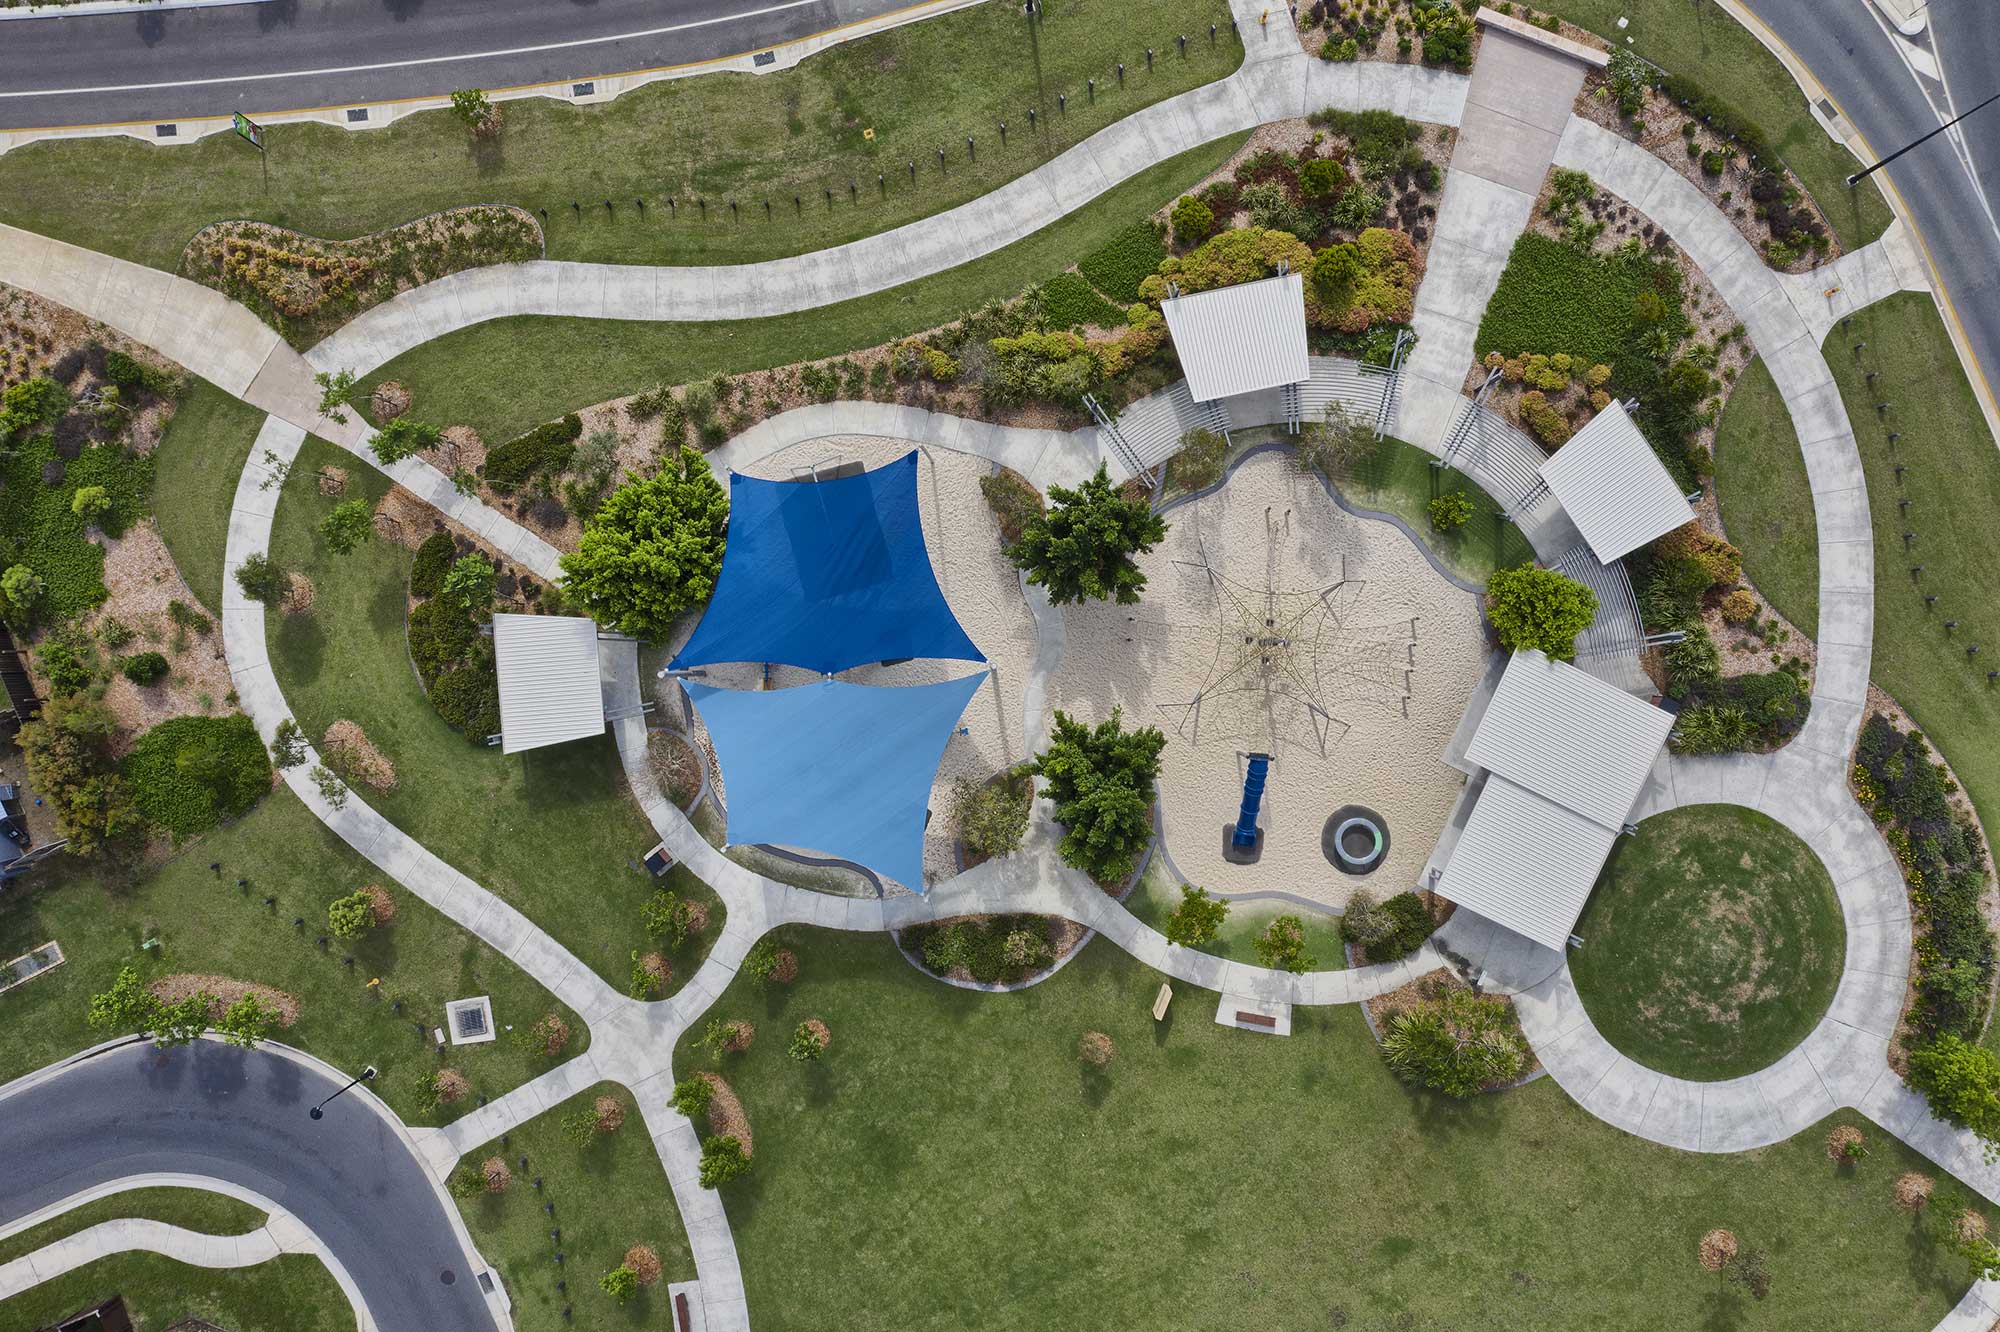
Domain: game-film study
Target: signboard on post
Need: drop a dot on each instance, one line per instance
(249, 129)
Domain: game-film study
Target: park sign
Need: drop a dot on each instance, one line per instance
(249, 129)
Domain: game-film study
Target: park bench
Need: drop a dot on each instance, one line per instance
(1161, 1000)
(682, 1319)
(1257, 1019)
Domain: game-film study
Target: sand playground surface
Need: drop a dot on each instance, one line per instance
(1357, 703)
(1361, 660)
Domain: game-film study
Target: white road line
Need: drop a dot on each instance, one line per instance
(408, 64)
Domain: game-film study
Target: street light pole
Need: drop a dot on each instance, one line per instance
(319, 1111)
(1864, 174)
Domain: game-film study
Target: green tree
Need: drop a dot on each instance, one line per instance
(184, 1022)
(471, 583)
(667, 916)
(1101, 780)
(247, 1021)
(1283, 945)
(334, 387)
(1197, 919)
(90, 502)
(1962, 1083)
(1192, 220)
(350, 916)
(21, 588)
(1334, 443)
(1539, 609)
(68, 753)
(807, 1044)
(652, 550)
(126, 1008)
(1333, 274)
(580, 1126)
(991, 817)
(351, 523)
(1083, 546)
(722, 1159)
(402, 438)
(692, 1095)
(621, 1283)
(1449, 512)
(288, 745)
(261, 578)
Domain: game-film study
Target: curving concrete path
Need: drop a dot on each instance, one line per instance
(632, 1043)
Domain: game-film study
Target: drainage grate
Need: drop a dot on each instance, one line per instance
(582, 89)
(764, 58)
(166, 131)
(356, 113)
(470, 1022)
(1826, 109)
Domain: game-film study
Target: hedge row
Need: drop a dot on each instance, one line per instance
(548, 447)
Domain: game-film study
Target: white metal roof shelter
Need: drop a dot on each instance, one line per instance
(1565, 757)
(1241, 339)
(549, 690)
(1614, 487)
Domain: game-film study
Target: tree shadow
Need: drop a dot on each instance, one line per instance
(402, 10)
(152, 27)
(301, 647)
(1094, 1083)
(277, 14)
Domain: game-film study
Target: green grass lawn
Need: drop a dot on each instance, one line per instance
(608, 1197)
(190, 1209)
(194, 481)
(1159, 893)
(205, 924)
(1766, 499)
(502, 376)
(1399, 479)
(553, 831)
(719, 137)
(1712, 944)
(1953, 485)
(291, 1293)
(1700, 42)
(949, 1165)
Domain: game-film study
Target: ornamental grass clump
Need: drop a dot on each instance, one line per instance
(1458, 1043)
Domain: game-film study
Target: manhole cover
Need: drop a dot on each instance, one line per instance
(448, 1276)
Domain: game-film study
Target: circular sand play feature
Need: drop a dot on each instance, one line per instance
(1275, 622)
(1355, 840)
(1712, 944)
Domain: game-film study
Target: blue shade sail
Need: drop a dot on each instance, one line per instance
(838, 768)
(826, 575)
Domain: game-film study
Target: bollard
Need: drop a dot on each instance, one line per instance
(971, 151)
(1184, 46)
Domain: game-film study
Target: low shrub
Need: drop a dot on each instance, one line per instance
(1193, 221)
(431, 563)
(1449, 512)
(468, 699)
(143, 668)
(994, 950)
(1198, 918)
(262, 579)
(442, 636)
(722, 1159)
(1013, 501)
(189, 773)
(549, 447)
(1458, 1043)
(992, 817)
(1388, 932)
(1544, 422)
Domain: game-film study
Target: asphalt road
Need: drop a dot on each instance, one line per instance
(238, 1115)
(1850, 54)
(286, 55)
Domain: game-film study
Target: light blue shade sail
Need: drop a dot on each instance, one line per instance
(838, 768)
(827, 575)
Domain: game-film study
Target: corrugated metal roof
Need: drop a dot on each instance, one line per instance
(1526, 862)
(1570, 737)
(1613, 486)
(1241, 339)
(549, 689)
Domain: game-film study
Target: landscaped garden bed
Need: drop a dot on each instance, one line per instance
(1712, 944)
(1006, 1110)
(306, 287)
(991, 952)
(1720, 152)
(1439, 1032)
(488, 815)
(865, 111)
